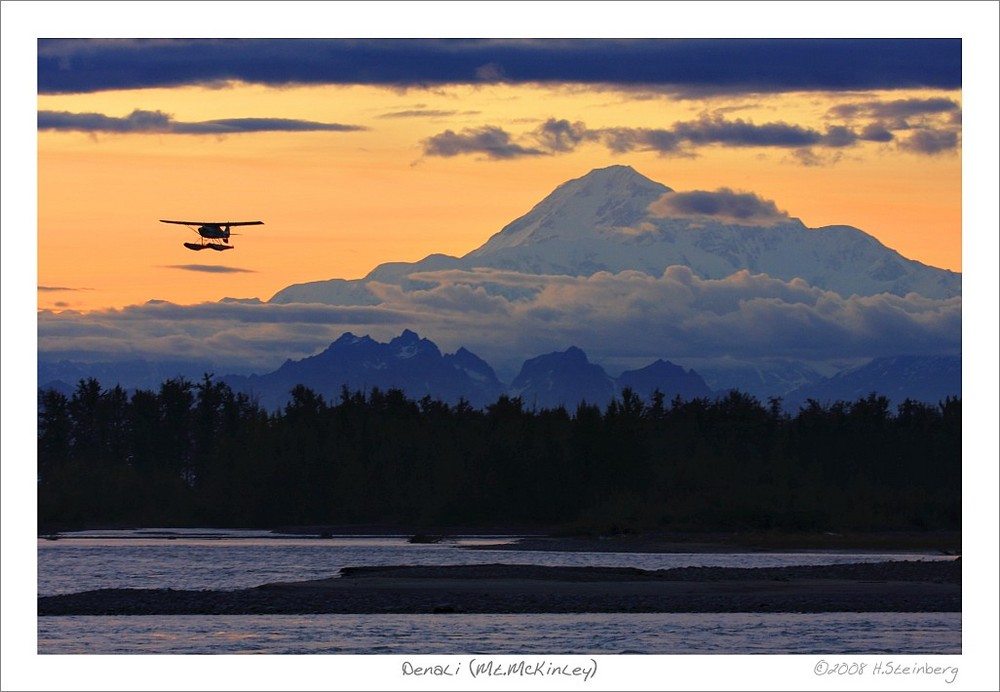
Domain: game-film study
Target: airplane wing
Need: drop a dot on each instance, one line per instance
(215, 223)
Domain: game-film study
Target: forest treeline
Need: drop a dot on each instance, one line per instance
(199, 454)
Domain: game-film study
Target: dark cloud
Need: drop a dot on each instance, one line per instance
(53, 289)
(740, 133)
(723, 203)
(425, 113)
(491, 72)
(934, 122)
(711, 65)
(238, 125)
(560, 135)
(494, 142)
(158, 122)
(136, 121)
(900, 108)
(839, 136)
(876, 132)
(682, 139)
(930, 142)
(210, 269)
(621, 140)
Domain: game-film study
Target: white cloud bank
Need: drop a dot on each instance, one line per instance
(506, 317)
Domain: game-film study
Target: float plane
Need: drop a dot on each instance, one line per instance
(212, 232)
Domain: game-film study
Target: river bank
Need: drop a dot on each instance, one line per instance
(562, 539)
(935, 543)
(914, 586)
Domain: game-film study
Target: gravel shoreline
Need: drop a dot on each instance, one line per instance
(930, 543)
(911, 586)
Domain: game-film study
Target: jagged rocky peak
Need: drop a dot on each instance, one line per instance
(564, 378)
(615, 196)
(409, 344)
(348, 339)
(571, 357)
(671, 380)
(406, 338)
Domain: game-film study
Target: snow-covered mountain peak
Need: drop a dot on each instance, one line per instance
(617, 220)
(611, 181)
(616, 196)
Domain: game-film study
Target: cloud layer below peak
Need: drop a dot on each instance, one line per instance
(506, 316)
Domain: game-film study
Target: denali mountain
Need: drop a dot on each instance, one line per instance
(614, 219)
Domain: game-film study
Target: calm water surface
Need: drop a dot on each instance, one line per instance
(213, 559)
(534, 634)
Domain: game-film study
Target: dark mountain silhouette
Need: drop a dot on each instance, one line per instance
(928, 379)
(417, 367)
(564, 378)
(567, 378)
(359, 363)
(671, 380)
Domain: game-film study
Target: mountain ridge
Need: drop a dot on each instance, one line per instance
(567, 378)
(613, 219)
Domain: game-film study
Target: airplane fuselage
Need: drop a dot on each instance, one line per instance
(214, 232)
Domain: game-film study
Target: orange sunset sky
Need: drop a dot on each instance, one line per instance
(337, 202)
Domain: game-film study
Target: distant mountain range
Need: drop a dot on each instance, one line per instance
(417, 367)
(921, 378)
(567, 378)
(407, 362)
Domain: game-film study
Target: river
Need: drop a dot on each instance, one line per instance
(222, 559)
